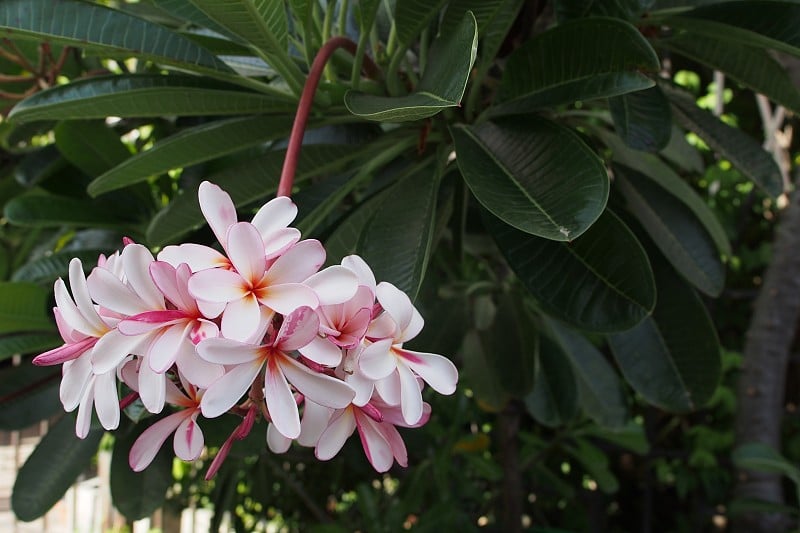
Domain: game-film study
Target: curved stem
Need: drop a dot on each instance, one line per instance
(304, 106)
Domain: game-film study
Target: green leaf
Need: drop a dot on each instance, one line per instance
(38, 166)
(52, 468)
(672, 358)
(145, 95)
(600, 282)
(28, 394)
(184, 10)
(752, 67)
(600, 389)
(344, 240)
(48, 268)
(411, 16)
(139, 494)
(744, 152)
(765, 24)
(661, 173)
(642, 119)
(631, 436)
(479, 374)
(675, 229)
(442, 85)
(595, 462)
(578, 60)
(190, 147)
(554, 400)
(98, 28)
(23, 307)
(682, 154)
(761, 457)
(533, 174)
(27, 343)
(90, 145)
(48, 210)
(397, 240)
(625, 9)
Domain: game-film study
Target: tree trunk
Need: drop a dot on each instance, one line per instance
(766, 354)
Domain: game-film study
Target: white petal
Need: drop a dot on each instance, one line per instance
(197, 256)
(152, 388)
(136, 260)
(298, 264)
(217, 208)
(437, 371)
(413, 328)
(323, 352)
(410, 395)
(389, 389)
(229, 352)
(280, 241)
(376, 447)
(333, 285)
(280, 401)
(146, 447)
(287, 297)
(276, 442)
(77, 282)
(241, 319)
(396, 303)
(217, 285)
(76, 376)
(315, 421)
(165, 278)
(333, 438)
(376, 360)
(298, 329)
(319, 388)
(246, 251)
(107, 290)
(112, 348)
(362, 270)
(84, 419)
(362, 385)
(69, 311)
(382, 327)
(226, 392)
(106, 401)
(164, 348)
(198, 371)
(275, 215)
(188, 443)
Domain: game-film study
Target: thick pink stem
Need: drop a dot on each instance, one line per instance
(304, 106)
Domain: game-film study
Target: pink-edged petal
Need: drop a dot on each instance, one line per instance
(69, 311)
(280, 401)
(112, 348)
(396, 303)
(149, 321)
(376, 447)
(299, 263)
(152, 388)
(280, 241)
(354, 330)
(174, 396)
(396, 443)
(363, 299)
(362, 385)
(165, 278)
(106, 401)
(217, 285)
(241, 319)
(80, 291)
(226, 392)
(361, 270)
(410, 395)
(201, 330)
(146, 447)
(276, 442)
(198, 371)
(376, 360)
(314, 422)
(333, 285)
(298, 329)
(217, 208)
(188, 443)
(136, 260)
(197, 256)
(333, 438)
(382, 327)
(319, 388)
(388, 390)
(287, 297)
(437, 371)
(107, 290)
(275, 215)
(246, 251)
(229, 352)
(322, 351)
(164, 348)
(76, 375)
(64, 353)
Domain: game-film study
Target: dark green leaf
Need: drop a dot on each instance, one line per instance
(642, 119)
(47, 210)
(673, 357)
(27, 343)
(533, 174)
(48, 268)
(28, 394)
(600, 282)
(52, 468)
(96, 27)
(23, 307)
(682, 154)
(554, 400)
(479, 374)
(145, 95)
(578, 60)
(595, 462)
(411, 16)
(346, 237)
(599, 386)
(190, 147)
(442, 85)
(733, 144)
(184, 10)
(37, 166)
(396, 242)
(761, 457)
(631, 436)
(90, 145)
(676, 231)
(625, 9)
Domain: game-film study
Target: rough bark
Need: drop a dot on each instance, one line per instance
(766, 353)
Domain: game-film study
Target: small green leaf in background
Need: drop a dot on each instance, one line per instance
(442, 84)
(23, 307)
(554, 399)
(90, 145)
(642, 119)
(599, 282)
(578, 60)
(52, 468)
(533, 174)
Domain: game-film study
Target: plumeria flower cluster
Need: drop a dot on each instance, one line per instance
(257, 329)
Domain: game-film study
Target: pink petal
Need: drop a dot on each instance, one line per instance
(287, 297)
(362, 271)
(198, 371)
(376, 447)
(281, 405)
(275, 215)
(410, 395)
(174, 396)
(333, 438)
(363, 299)
(77, 282)
(64, 353)
(146, 447)
(217, 208)
(106, 401)
(298, 264)
(226, 392)
(396, 303)
(107, 290)
(396, 443)
(188, 443)
(376, 360)
(437, 371)
(315, 421)
(319, 388)
(202, 329)
(149, 321)
(197, 256)
(112, 348)
(229, 352)
(165, 347)
(354, 329)
(246, 251)
(280, 241)
(382, 327)
(276, 442)
(241, 318)
(322, 351)
(217, 285)
(298, 329)
(152, 388)
(165, 276)
(333, 285)
(136, 260)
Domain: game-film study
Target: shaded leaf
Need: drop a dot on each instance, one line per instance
(39, 165)
(642, 119)
(28, 394)
(411, 16)
(478, 372)
(631, 436)
(48, 268)
(90, 145)
(595, 462)
(682, 154)
(578, 60)
(346, 237)
(533, 174)
(554, 400)
(600, 282)
(27, 343)
(23, 307)
(761, 457)
(48, 210)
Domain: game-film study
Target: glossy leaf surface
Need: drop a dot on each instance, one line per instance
(642, 119)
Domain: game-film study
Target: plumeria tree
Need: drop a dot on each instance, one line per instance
(242, 210)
